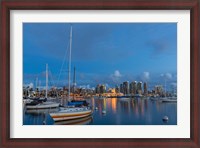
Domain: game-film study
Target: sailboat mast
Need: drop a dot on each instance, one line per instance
(46, 80)
(165, 88)
(69, 66)
(36, 83)
(74, 82)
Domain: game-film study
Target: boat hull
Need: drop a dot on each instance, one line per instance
(43, 106)
(62, 116)
(80, 121)
(169, 101)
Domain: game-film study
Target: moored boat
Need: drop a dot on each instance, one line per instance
(41, 111)
(71, 113)
(170, 99)
(43, 105)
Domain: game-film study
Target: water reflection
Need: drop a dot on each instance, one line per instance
(133, 111)
(119, 111)
(114, 105)
(38, 116)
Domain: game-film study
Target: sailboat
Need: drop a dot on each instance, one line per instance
(42, 103)
(168, 99)
(69, 113)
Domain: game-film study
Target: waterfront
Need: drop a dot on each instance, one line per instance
(119, 111)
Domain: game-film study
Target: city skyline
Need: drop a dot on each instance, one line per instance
(103, 53)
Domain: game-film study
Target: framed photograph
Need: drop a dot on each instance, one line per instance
(94, 73)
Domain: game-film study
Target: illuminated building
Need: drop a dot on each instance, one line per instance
(159, 89)
(102, 89)
(139, 88)
(112, 90)
(121, 88)
(126, 87)
(98, 89)
(145, 88)
(117, 89)
(133, 87)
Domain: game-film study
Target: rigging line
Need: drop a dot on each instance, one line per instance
(51, 77)
(63, 62)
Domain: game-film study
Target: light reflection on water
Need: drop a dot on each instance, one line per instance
(119, 111)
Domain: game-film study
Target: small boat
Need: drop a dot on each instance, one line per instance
(43, 105)
(121, 97)
(104, 112)
(41, 111)
(71, 113)
(137, 95)
(172, 99)
(154, 98)
(169, 100)
(165, 119)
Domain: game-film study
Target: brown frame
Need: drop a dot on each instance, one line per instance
(192, 5)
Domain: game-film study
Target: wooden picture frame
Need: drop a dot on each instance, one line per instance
(192, 5)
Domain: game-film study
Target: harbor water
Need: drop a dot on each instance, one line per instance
(112, 111)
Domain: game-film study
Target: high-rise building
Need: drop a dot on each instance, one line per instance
(145, 88)
(126, 87)
(159, 89)
(102, 89)
(98, 88)
(117, 89)
(139, 88)
(121, 88)
(133, 87)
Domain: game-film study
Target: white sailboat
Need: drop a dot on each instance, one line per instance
(42, 103)
(168, 99)
(69, 113)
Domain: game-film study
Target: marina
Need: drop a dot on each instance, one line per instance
(112, 111)
(100, 95)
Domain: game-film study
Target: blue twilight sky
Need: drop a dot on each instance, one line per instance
(105, 53)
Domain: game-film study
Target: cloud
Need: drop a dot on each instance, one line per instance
(117, 73)
(115, 77)
(167, 76)
(145, 76)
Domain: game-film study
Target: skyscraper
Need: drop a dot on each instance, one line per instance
(145, 88)
(159, 89)
(133, 87)
(126, 87)
(139, 88)
(117, 89)
(102, 89)
(98, 88)
(121, 88)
